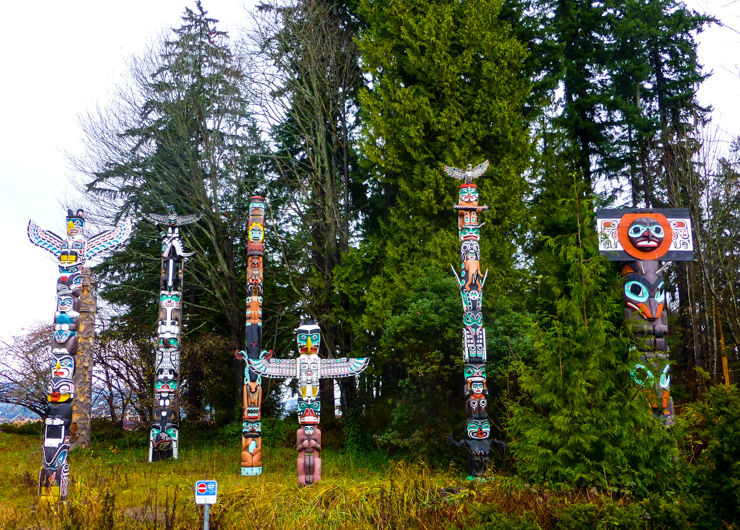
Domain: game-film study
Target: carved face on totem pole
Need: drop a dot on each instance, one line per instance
(163, 435)
(64, 366)
(644, 290)
(479, 429)
(308, 336)
(64, 342)
(309, 411)
(252, 401)
(252, 429)
(68, 303)
(645, 234)
(60, 390)
(256, 206)
(468, 195)
(256, 233)
(166, 387)
(76, 224)
(69, 282)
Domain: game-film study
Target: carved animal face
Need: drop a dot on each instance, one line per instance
(169, 299)
(479, 429)
(644, 289)
(309, 411)
(309, 339)
(76, 224)
(60, 390)
(468, 194)
(251, 429)
(64, 365)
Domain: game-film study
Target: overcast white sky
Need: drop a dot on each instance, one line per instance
(62, 58)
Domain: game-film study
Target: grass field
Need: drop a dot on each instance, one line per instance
(113, 486)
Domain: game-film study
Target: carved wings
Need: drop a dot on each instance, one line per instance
(108, 239)
(467, 174)
(49, 241)
(165, 219)
(328, 368)
(342, 367)
(275, 367)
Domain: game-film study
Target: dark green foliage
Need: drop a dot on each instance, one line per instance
(447, 90)
(583, 422)
(421, 348)
(718, 477)
(30, 428)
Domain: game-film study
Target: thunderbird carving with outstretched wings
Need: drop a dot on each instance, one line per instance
(469, 173)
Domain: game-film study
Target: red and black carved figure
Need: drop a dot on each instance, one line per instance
(72, 253)
(164, 436)
(645, 241)
(251, 460)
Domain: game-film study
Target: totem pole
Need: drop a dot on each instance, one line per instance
(72, 253)
(308, 369)
(252, 390)
(165, 432)
(641, 239)
(470, 281)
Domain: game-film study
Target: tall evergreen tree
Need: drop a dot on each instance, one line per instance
(446, 87)
(580, 420)
(182, 135)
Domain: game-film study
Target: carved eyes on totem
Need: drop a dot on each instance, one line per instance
(303, 406)
(165, 385)
(468, 194)
(172, 433)
(472, 371)
(308, 431)
(303, 337)
(637, 292)
(170, 298)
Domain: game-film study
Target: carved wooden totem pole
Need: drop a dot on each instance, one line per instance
(309, 369)
(471, 280)
(252, 390)
(165, 433)
(72, 253)
(641, 240)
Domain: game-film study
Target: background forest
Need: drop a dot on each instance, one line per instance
(342, 114)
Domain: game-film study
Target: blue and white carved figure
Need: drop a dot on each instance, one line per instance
(71, 252)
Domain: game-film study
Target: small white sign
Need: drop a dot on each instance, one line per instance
(206, 492)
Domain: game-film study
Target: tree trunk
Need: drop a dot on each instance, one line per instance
(82, 405)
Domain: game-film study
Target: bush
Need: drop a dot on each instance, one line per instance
(31, 428)
(718, 475)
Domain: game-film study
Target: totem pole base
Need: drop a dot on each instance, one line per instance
(251, 471)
